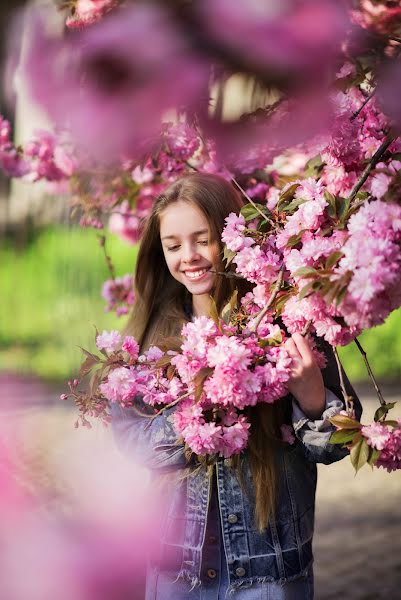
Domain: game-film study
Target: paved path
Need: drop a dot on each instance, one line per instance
(358, 521)
(358, 528)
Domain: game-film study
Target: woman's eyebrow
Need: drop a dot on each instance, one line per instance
(170, 237)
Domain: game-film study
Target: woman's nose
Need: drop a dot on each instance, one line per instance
(190, 253)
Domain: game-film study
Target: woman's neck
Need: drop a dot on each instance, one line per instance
(201, 304)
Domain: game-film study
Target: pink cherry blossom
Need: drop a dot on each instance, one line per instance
(376, 435)
(121, 385)
(109, 341)
(131, 346)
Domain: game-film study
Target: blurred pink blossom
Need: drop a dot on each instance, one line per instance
(127, 69)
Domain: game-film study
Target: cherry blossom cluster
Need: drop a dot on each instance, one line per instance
(119, 293)
(378, 444)
(218, 373)
(44, 157)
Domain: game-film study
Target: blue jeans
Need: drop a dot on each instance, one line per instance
(162, 585)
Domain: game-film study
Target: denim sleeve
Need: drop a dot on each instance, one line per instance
(314, 435)
(156, 447)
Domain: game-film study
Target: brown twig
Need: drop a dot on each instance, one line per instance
(110, 266)
(371, 165)
(255, 206)
(306, 328)
(229, 274)
(347, 398)
(161, 411)
(360, 109)
(270, 301)
(369, 369)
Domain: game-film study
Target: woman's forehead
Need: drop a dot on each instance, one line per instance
(182, 219)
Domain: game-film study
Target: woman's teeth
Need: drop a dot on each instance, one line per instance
(195, 274)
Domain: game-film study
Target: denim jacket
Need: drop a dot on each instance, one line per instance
(283, 551)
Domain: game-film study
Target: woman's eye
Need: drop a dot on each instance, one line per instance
(172, 248)
(203, 242)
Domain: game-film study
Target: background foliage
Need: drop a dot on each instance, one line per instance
(50, 297)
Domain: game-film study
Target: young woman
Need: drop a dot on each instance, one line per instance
(243, 528)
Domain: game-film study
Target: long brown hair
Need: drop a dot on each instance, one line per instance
(159, 311)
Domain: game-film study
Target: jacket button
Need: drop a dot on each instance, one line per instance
(228, 462)
(211, 573)
(240, 572)
(232, 519)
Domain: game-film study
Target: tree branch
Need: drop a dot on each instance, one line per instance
(270, 301)
(371, 165)
(110, 266)
(360, 109)
(347, 399)
(365, 358)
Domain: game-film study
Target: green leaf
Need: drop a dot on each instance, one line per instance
(342, 210)
(344, 422)
(343, 436)
(331, 209)
(306, 272)
(95, 382)
(383, 410)
(362, 195)
(294, 240)
(390, 423)
(228, 255)
(333, 258)
(293, 205)
(332, 291)
(163, 361)
(229, 308)
(249, 212)
(341, 294)
(199, 381)
(87, 365)
(313, 166)
(89, 354)
(359, 454)
(280, 303)
(287, 196)
(373, 456)
(306, 290)
(214, 314)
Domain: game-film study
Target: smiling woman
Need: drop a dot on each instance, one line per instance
(243, 524)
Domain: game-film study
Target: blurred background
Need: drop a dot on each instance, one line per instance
(51, 275)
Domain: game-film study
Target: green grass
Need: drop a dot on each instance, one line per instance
(382, 345)
(50, 299)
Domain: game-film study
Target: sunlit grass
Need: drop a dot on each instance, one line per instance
(50, 299)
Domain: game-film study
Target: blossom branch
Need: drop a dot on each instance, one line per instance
(161, 411)
(371, 375)
(110, 266)
(228, 274)
(270, 301)
(371, 165)
(360, 109)
(306, 328)
(348, 400)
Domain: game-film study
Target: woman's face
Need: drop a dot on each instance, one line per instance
(189, 252)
